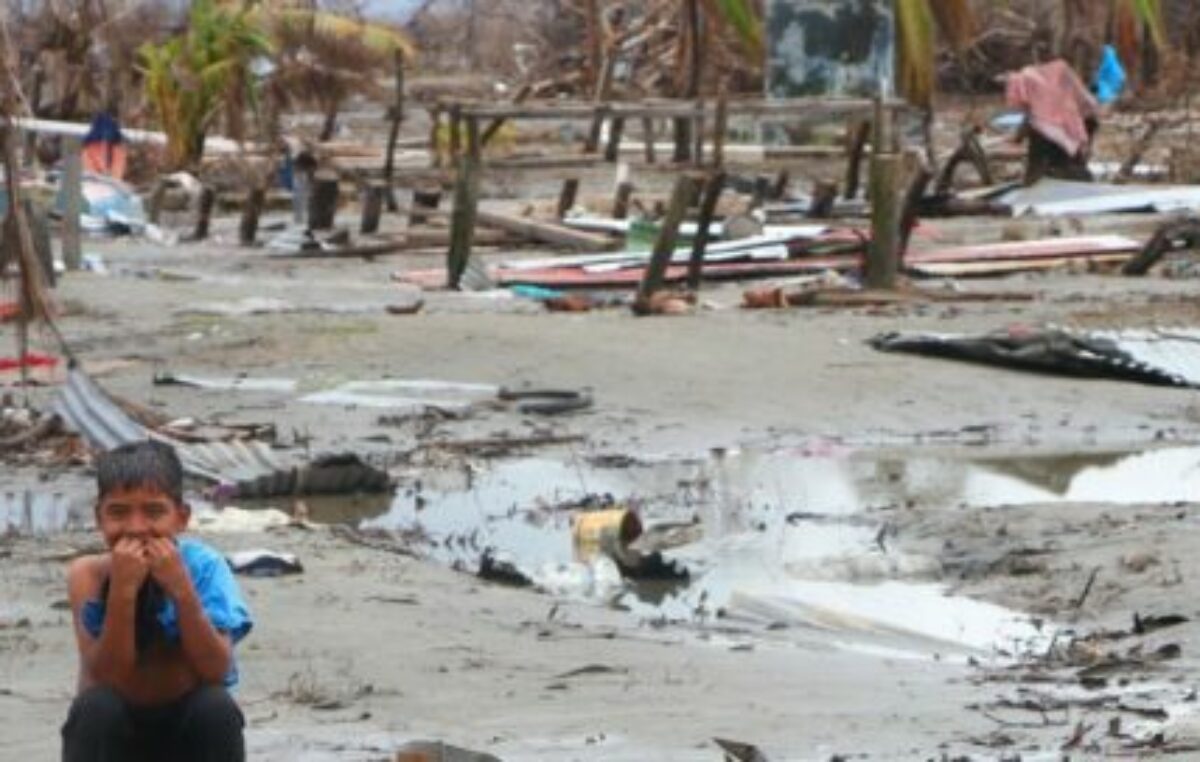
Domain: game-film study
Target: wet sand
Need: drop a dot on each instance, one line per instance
(367, 649)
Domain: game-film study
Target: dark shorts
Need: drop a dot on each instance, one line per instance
(203, 726)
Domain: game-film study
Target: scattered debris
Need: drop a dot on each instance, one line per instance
(436, 751)
(264, 563)
(1164, 358)
(736, 751)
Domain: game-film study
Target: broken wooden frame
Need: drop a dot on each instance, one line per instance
(466, 116)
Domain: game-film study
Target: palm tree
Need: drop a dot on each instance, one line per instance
(191, 76)
(918, 23)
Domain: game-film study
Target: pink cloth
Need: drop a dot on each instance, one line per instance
(1056, 101)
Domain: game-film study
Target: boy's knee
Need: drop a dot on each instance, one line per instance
(212, 710)
(96, 712)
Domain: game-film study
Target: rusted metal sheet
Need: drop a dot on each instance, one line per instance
(249, 469)
(830, 47)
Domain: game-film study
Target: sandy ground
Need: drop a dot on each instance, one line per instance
(367, 649)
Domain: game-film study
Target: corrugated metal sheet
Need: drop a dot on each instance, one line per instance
(253, 468)
(1163, 357)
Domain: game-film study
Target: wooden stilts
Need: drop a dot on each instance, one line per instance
(466, 200)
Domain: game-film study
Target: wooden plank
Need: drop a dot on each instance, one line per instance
(546, 232)
(671, 109)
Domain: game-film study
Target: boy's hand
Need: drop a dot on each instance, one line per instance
(129, 565)
(166, 566)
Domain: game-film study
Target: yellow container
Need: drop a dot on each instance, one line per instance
(604, 532)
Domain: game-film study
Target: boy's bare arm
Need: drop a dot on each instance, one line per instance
(110, 659)
(208, 651)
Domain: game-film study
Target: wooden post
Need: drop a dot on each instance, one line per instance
(912, 203)
(435, 129)
(720, 125)
(566, 197)
(616, 130)
(396, 116)
(682, 199)
(708, 207)
(248, 229)
(455, 134)
(424, 200)
(72, 244)
(323, 200)
(824, 195)
(621, 200)
(154, 205)
(780, 186)
(886, 165)
(648, 137)
(208, 197)
(466, 200)
(373, 197)
(857, 134)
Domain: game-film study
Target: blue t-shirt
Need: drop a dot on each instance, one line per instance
(215, 587)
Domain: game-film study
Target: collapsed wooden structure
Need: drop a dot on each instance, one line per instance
(700, 162)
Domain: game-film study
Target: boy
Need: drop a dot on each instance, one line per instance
(156, 619)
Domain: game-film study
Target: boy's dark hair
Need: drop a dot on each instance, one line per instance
(141, 464)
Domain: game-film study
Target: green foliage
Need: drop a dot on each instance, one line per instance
(191, 76)
(918, 24)
(742, 18)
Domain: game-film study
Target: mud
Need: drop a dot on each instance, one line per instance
(891, 552)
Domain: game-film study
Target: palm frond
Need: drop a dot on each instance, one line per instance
(743, 19)
(380, 38)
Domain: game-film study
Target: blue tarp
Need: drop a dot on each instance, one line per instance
(1110, 76)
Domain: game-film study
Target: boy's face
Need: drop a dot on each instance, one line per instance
(140, 513)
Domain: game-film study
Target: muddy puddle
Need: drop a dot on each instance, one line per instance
(789, 542)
